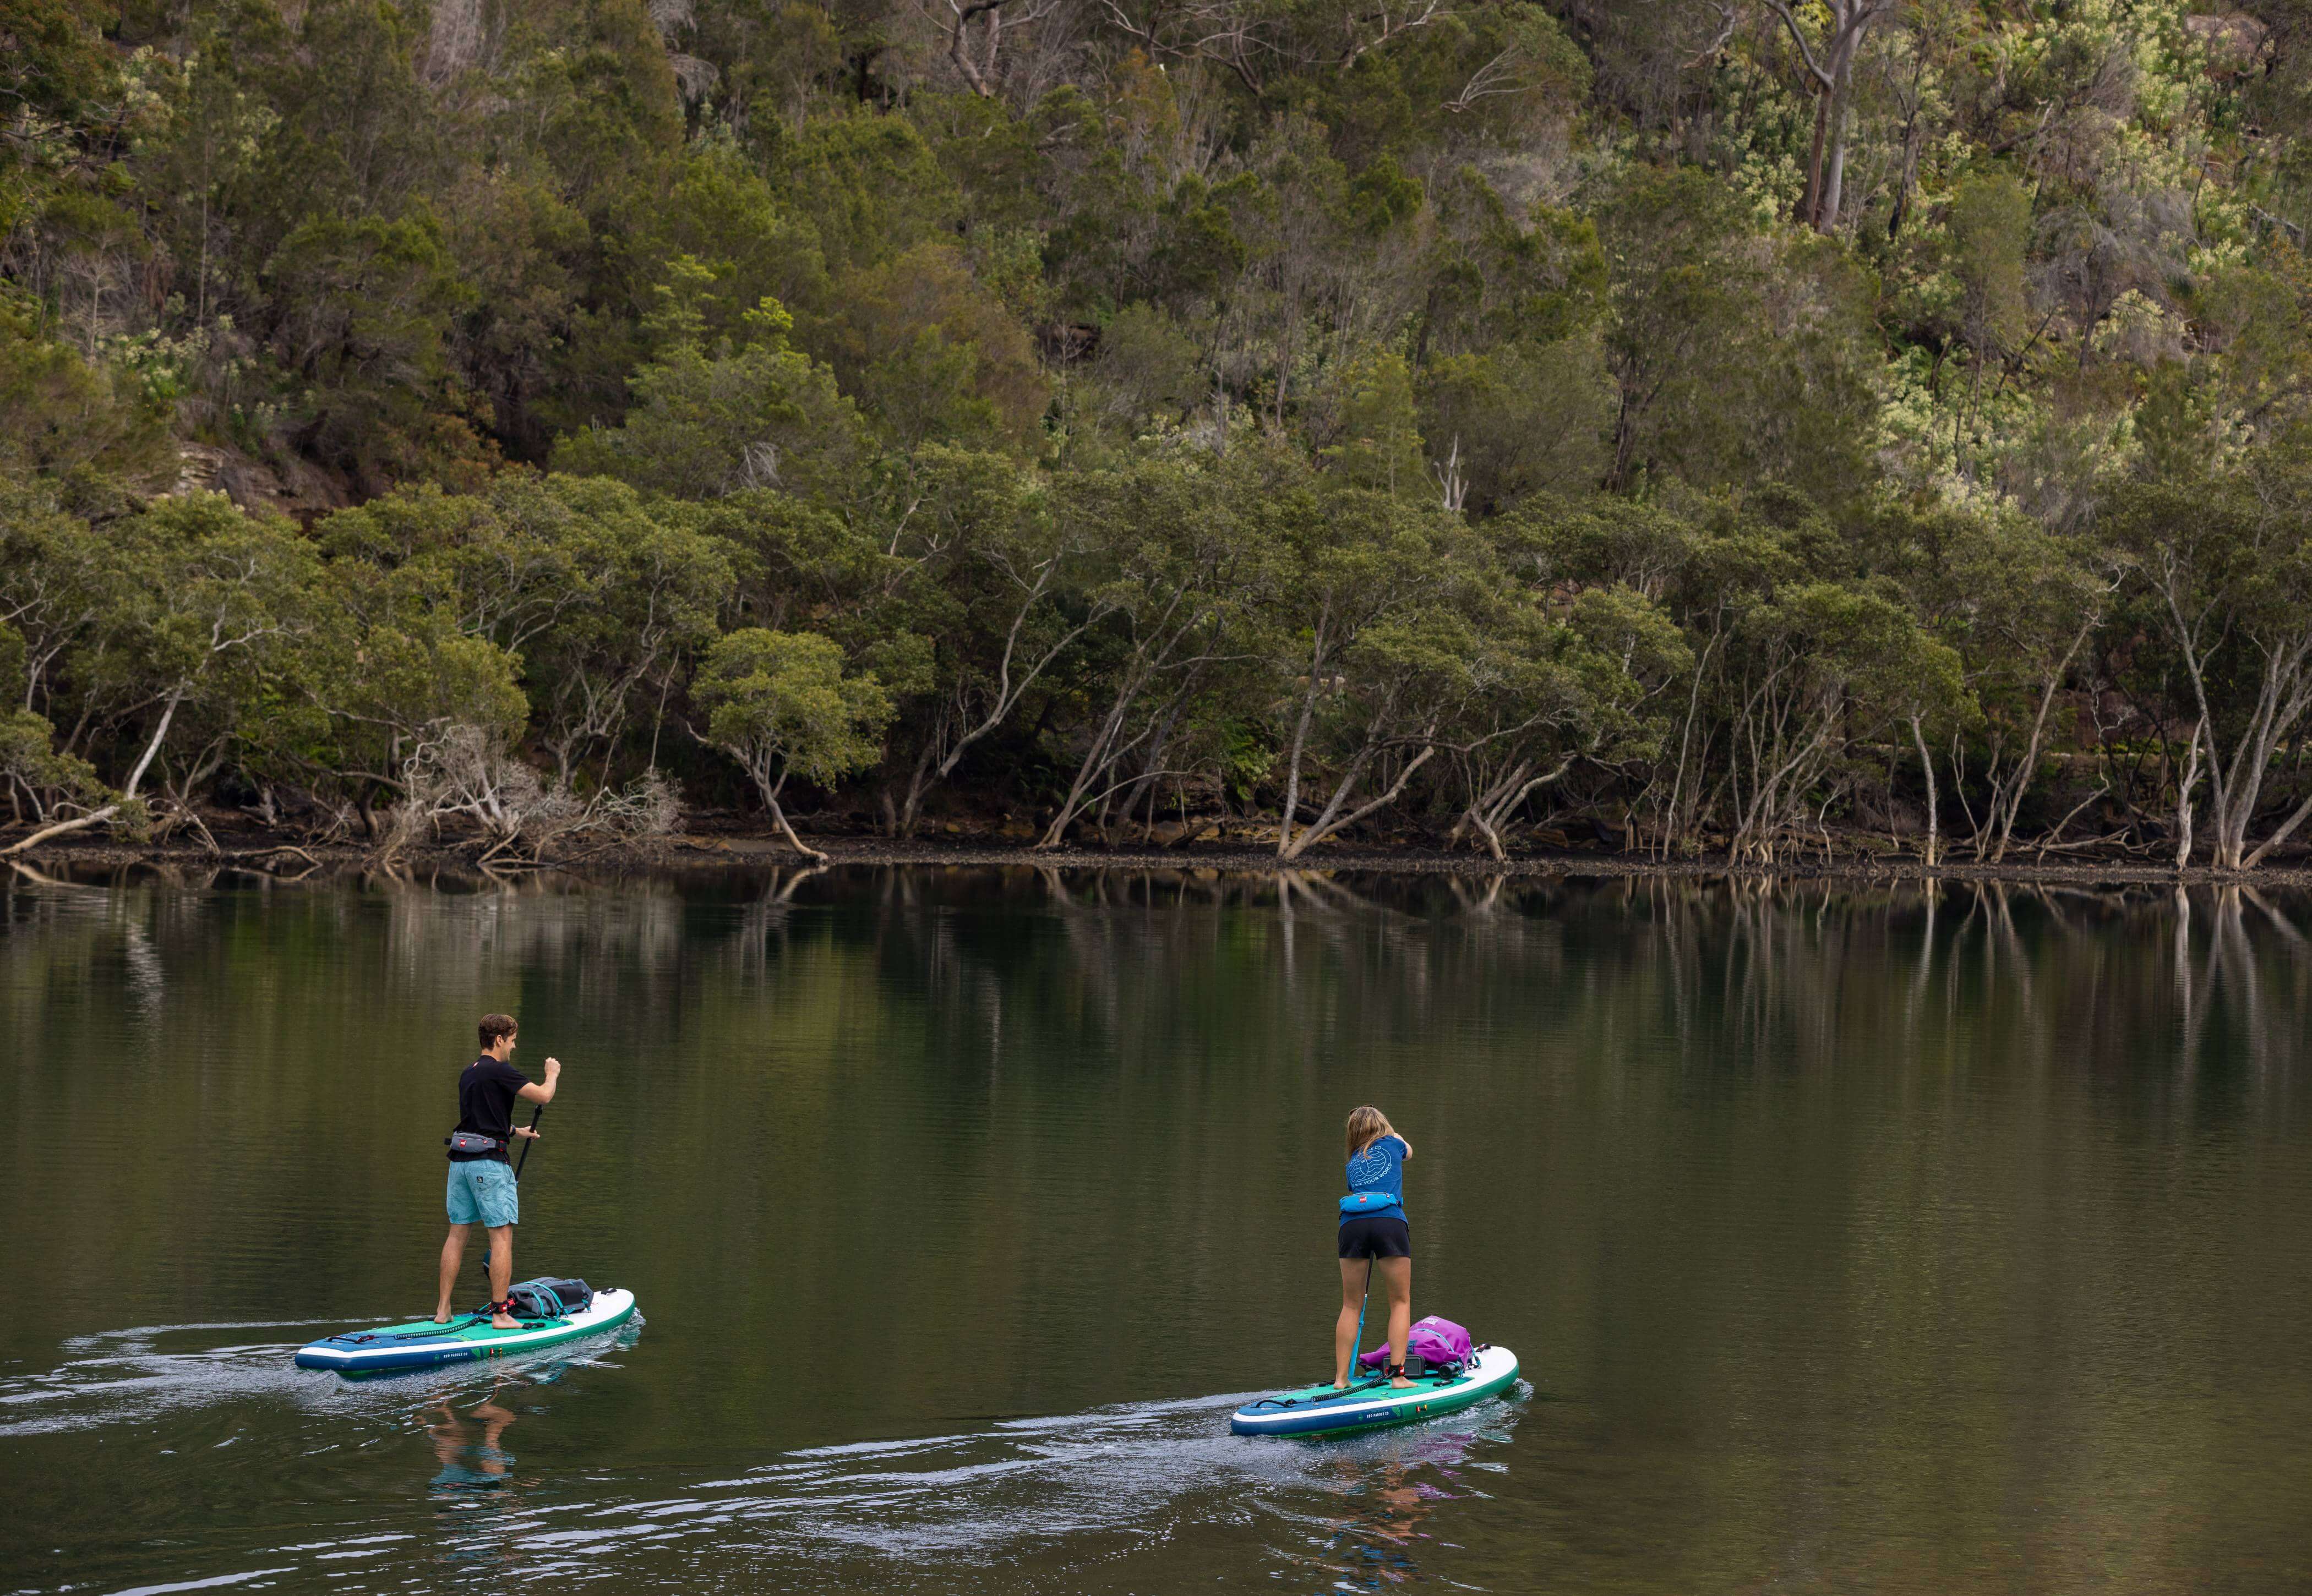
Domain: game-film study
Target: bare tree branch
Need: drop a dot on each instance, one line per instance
(96, 818)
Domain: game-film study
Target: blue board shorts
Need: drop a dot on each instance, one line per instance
(482, 1190)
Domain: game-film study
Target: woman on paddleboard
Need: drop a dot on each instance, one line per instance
(1376, 1240)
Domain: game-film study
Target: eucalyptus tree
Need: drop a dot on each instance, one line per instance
(1258, 40)
(746, 411)
(783, 704)
(2227, 562)
(1575, 682)
(655, 587)
(2033, 598)
(801, 565)
(1838, 27)
(1181, 572)
(35, 775)
(1694, 579)
(1738, 355)
(32, 770)
(994, 590)
(1520, 731)
(389, 671)
(58, 577)
(1395, 694)
(1364, 616)
(600, 599)
(2020, 604)
(1815, 671)
(203, 604)
(64, 416)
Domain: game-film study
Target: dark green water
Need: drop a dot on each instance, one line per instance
(1852, 1242)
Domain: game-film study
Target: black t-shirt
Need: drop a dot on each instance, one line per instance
(487, 1091)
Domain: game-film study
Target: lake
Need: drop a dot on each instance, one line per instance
(1852, 1238)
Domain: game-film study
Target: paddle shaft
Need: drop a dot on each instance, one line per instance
(536, 1114)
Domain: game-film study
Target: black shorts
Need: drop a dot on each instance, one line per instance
(1376, 1238)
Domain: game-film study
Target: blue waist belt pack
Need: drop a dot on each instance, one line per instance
(1369, 1202)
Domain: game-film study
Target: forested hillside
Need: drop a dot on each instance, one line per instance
(1694, 427)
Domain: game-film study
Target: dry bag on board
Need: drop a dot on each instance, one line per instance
(547, 1298)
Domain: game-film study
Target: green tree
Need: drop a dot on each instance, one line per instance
(781, 703)
(363, 312)
(1374, 435)
(756, 413)
(386, 670)
(1179, 575)
(995, 592)
(2227, 567)
(1817, 669)
(936, 357)
(1736, 356)
(60, 416)
(1364, 630)
(191, 609)
(601, 601)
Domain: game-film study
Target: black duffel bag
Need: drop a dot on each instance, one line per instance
(548, 1298)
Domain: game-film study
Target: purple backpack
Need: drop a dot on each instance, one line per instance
(1434, 1340)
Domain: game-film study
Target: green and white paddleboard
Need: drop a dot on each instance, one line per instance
(393, 1349)
(1370, 1404)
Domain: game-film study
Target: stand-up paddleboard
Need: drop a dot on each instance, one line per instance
(1370, 1404)
(468, 1339)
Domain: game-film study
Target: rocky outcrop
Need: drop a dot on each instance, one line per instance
(299, 490)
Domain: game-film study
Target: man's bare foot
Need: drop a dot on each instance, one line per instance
(502, 1322)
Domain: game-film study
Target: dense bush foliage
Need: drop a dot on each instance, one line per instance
(1708, 424)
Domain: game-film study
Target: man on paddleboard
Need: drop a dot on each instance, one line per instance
(482, 1188)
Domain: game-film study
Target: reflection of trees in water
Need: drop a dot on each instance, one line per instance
(1744, 973)
(1739, 970)
(1736, 968)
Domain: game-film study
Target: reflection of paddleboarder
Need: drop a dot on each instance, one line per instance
(1378, 1538)
(1374, 1233)
(482, 1188)
(451, 1436)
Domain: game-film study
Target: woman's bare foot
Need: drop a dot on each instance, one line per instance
(1401, 1383)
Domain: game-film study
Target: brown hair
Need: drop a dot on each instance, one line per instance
(1366, 1125)
(494, 1025)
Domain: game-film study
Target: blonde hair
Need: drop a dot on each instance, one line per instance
(1366, 1125)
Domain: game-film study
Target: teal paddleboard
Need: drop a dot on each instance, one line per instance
(1372, 1404)
(392, 1349)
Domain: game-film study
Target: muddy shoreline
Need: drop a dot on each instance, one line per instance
(712, 850)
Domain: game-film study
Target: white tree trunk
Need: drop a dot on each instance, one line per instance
(98, 819)
(2184, 799)
(1927, 763)
(160, 732)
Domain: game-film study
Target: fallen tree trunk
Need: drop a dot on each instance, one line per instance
(59, 829)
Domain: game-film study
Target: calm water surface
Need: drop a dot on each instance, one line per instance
(1852, 1241)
